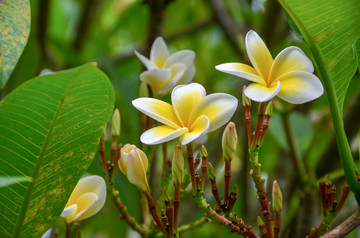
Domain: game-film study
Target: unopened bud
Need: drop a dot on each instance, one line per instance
(260, 222)
(166, 196)
(234, 189)
(211, 171)
(144, 90)
(115, 123)
(269, 109)
(245, 100)
(203, 152)
(229, 141)
(178, 166)
(328, 180)
(277, 197)
(133, 163)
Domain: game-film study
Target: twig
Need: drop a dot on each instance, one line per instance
(190, 158)
(346, 227)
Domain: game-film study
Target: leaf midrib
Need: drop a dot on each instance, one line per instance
(29, 191)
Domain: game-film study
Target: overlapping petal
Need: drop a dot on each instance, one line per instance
(258, 53)
(177, 71)
(300, 87)
(85, 204)
(197, 129)
(183, 56)
(159, 52)
(241, 70)
(147, 63)
(188, 75)
(217, 107)
(157, 109)
(161, 134)
(136, 171)
(183, 98)
(290, 59)
(156, 78)
(261, 93)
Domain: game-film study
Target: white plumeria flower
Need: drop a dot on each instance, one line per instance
(289, 76)
(86, 200)
(165, 71)
(191, 115)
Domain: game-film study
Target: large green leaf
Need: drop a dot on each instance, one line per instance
(14, 33)
(49, 130)
(331, 29)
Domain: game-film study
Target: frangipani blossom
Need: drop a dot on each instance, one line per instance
(191, 115)
(133, 163)
(289, 76)
(165, 71)
(86, 200)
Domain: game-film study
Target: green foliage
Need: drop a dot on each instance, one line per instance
(14, 33)
(331, 29)
(49, 131)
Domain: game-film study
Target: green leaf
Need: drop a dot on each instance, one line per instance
(6, 181)
(14, 33)
(331, 29)
(49, 130)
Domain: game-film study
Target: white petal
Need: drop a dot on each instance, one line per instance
(261, 93)
(156, 78)
(184, 98)
(157, 109)
(198, 129)
(177, 71)
(218, 107)
(300, 87)
(147, 63)
(188, 75)
(85, 204)
(290, 59)
(68, 212)
(241, 70)
(183, 56)
(159, 52)
(161, 134)
(258, 53)
(136, 172)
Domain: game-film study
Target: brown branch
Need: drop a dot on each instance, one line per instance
(88, 14)
(228, 25)
(346, 227)
(194, 28)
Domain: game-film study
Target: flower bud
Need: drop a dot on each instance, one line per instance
(210, 171)
(178, 166)
(86, 200)
(115, 123)
(144, 90)
(203, 152)
(260, 222)
(229, 141)
(277, 197)
(133, 163)
(269, 109)
(245, 100)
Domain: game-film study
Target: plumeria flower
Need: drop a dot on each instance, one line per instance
(133, 163)
(165, 71)
(86, 200)
(289, 76)
(191, 115)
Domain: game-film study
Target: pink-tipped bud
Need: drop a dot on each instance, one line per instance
(229, 141)
(277, 197)
(133, 163)
(178, 166)
(245, 100)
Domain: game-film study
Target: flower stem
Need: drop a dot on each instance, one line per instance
(260, 116)
(154, 214)
(164, 165)
(68, 229)
(227, 176)
(190, 157)
(176, 207)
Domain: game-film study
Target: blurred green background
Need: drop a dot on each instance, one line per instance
(68, 33)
